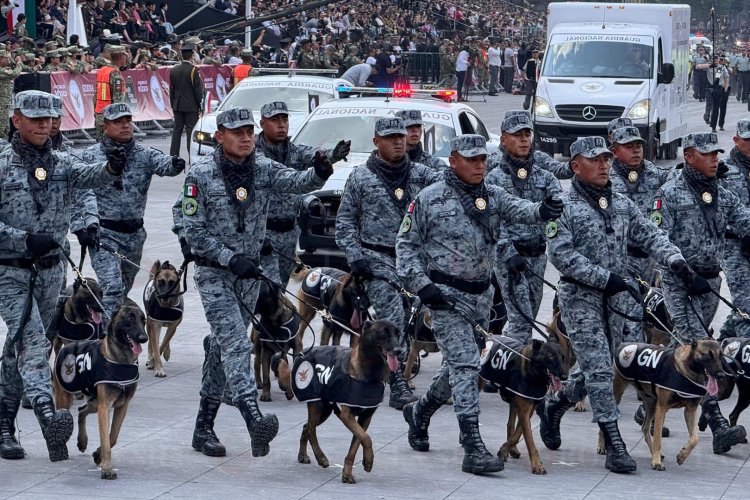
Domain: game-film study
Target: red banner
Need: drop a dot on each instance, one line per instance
(147, 93)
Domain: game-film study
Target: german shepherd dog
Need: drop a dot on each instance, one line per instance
(699, 362)
(421, 338)
(736, 351)
(164, 306)
(523, 381)
(280, 333)
(364, 368)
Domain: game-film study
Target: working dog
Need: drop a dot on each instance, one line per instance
(668, 378)
(736, 351)
(523, 373)
(347, 381)
(164, 307)
(336, 292)
(279, 333)
(91, 367)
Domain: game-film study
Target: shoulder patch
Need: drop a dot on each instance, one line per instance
(656, 205)
(550, 231)
(406, 224)
(411, 207)
(656, 217)
(189, 206)
(190, 190)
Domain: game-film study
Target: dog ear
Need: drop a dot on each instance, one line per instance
(536, 344)
(367, 324)
(155, 269)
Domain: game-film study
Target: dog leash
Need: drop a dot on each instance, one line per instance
(122, 257)
(540, 278)
(84, 282)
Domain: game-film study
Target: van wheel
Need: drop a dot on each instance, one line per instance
(653, 148)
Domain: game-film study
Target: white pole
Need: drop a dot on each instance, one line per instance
(248, 13)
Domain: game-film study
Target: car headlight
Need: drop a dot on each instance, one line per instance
(542, 108)
(204, 137)
(640, 110)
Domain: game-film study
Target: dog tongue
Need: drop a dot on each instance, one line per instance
(392, 362)
(556, 384)
(356, 321)
(96, 316)
(712, 387)
(137, 348)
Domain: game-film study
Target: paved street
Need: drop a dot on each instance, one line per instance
(154, 458)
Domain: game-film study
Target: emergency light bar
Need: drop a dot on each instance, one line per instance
(446, 95)
(292, 71)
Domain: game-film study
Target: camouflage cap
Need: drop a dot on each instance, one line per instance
(246, 52)
(389, 126)
(50, 46)
(743, 128)
(62, 51)
(117, 49)
(515, 122)
(53, 53)
(469, 145)
(706, 142)
(57, 105)
(273, 109)
(34, 104)
(115, 111)
(73, 50)
(589, 147)
(626, 135)
(619, 123)
(411, 117)
(235, 118)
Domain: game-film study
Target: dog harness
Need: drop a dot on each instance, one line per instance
(654, 365)
(501, 366)
(738, 349)
(157, 312)
(321, 283)
(72, 332)
(80, 367)
(320, 374)
(285, 332)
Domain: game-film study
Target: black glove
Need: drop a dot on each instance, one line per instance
(187, 254)
(267, 248)
(315, 206)
(178, 163)
(117, 160)
(243, 268)
(323, 167)
(699, 286)
(341, 151)
(88, 237)
(516, 264)
(745, 246)
(40, 244)
(360, 269)
(695, 284)
(722, 170)
(615, 284)
(552, 208)
(431, 295)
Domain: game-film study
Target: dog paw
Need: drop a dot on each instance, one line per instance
(659, 467)
(166, 353)
(682, 456)
(601, 450)
(303, 459)
(502, 453)
(347, 478)
(97, 456)
(514, 453)
(109, 474)
(265, 397)
(367, 462)
(580, 406)
(160, 373)
(411, 385)
(150, 363)
(82, 443)
(322, 461)
(538, 469)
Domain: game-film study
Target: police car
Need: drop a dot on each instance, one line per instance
(302, 92)
(354, 119)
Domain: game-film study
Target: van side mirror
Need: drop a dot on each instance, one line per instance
(666, 75)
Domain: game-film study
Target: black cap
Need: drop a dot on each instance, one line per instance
(188, 47)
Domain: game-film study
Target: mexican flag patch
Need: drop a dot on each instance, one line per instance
(191, 190)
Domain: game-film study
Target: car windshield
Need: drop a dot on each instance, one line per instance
(298, 100)
(604, 56)
(326, 132)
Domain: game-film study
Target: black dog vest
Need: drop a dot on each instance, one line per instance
(651, 364)
(157, 312)
(320, 374)
(738, 349)
(285, 332)
(80, 367)
(321, 283)
(73, 332)
(502, 366)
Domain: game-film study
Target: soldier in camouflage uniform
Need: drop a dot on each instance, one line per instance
(53, 61)
(414, 131)
(281, 226)
(448, 62)
(695, 210)
(75, 65)
(352, 58)
(35, 211)
(521, 264)
(307, 59)
(375, 200)
(224, 205)
(329, 59)
(122, 205)
(446, 252)
(8, 73)
(588, 245)
(116, 86)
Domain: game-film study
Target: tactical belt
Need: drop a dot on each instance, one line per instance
(43, 263)
(386, 250)
(634, 251)
(202, 261)
(128, 226)
(525, 250)
(466, 286)
(731, 236)
(280, 225)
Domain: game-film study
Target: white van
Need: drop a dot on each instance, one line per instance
(605, 61)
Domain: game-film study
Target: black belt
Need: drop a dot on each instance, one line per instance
(42, 263)
(280, 225)
(731, 236)
(389, 251)
(203, 261)
(634, 251)
(466, 286)
(525, 250)
(128, 226)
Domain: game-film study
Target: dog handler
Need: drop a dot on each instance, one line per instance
(446, 252)
(38, 184)
(588, 245)
(223, 218)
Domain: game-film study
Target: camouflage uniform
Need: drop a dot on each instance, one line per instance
(524, 290)
(307, 60)
(351, 60)
(559, 169)
(447, 64)
(7, 75)
(121, 208)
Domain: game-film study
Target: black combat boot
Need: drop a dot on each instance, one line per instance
(640, 416)
(618, 459)
(204, 437)
(262, 428)
(551, 413)
(400, 392)
(10, 449)
(25, 401)
(57, 427)
(724, 436)
(477, 460)
(417, 415)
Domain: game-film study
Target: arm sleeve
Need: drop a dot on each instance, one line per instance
(84, 211)
(516, 210)
(411, 261)
(645, 234)
(161, 164)
(195, 228)
(286, 180)
(559, 169)
(88, 175)
(347, 222)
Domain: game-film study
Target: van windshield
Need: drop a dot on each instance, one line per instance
(602, 56)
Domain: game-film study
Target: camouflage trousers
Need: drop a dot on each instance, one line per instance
(24, 365)
(389, 305)
(689, 314)
(98, 122)
(230, 347)
(276, 267)
(644, 269)
(737, 271)
(522, 290)
(585, 315)
(454, 334)
(116, 276)
(4, 123)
